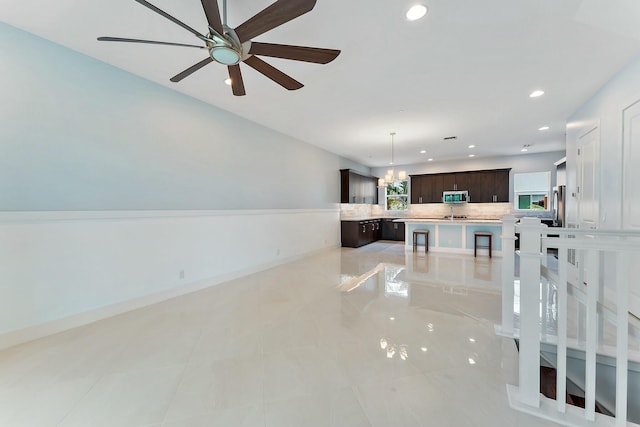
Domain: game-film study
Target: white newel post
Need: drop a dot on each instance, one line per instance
(508, 273)
(530, 259)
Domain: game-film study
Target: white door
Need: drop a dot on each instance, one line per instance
(588, 179)
(631, 188)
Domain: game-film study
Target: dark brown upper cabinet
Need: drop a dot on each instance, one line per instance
(358, 188)
(485, 186)
(489, 186)
(426, 188)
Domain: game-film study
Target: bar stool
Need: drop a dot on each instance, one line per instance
(481, 234)
(424, 233)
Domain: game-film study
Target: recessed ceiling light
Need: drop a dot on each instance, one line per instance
(544, 128)
(525, 148)
(536, 93)
(423, 151)
(430, 160)
(424, 349)
(472, 146)
(416, 12)
(472, 155)
(228, 81)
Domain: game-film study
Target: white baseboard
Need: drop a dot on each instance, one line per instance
(21, 336)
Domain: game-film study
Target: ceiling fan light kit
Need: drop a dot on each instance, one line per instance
(224, 55)
(230, 47)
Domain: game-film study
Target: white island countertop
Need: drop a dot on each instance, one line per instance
(448, 221)
(452, 235)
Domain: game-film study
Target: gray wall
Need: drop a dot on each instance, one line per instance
(78, 134)
(604, 109)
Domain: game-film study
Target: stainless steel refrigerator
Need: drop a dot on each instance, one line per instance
(558, 206)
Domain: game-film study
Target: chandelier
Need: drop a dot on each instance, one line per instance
(390, 178)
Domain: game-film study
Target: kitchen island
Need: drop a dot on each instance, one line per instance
(452, 235)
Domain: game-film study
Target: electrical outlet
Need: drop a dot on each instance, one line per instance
(181, 274)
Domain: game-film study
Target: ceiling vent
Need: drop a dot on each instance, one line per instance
(450, 138)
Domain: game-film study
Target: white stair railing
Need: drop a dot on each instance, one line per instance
(590, 247)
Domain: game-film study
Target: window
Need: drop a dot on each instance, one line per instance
(397, 196)
(531, 191)
(532, 201)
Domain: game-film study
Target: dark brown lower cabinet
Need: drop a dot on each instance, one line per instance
(360, 233)
(392, 230)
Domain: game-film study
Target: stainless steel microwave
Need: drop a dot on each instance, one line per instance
(455, 196)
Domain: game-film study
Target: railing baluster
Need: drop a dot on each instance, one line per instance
(529, 367)
(601, 319)
(581, 308)
(592, 276)
(561, 362)
(622, 336)
(508, 273)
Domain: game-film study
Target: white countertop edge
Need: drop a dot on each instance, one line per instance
(429, 220)
(448, 221)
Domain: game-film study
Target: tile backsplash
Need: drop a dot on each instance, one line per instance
(428, 210)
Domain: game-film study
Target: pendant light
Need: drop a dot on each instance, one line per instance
(390, 178)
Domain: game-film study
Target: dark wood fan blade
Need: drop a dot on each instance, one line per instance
(169, 17)
(212, 11)
(273, 73)
(236, 80)
(119, 39)
(191, 70)
(273, 16)
(296, 53)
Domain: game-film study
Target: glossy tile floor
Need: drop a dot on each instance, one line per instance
(349, 337)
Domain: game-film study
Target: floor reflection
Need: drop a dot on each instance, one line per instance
(454, 284)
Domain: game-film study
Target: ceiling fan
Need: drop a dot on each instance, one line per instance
(230, 46)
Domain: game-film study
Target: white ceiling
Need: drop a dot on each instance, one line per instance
(466, 69)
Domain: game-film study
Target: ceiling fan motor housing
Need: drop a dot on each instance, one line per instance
(226, 50)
